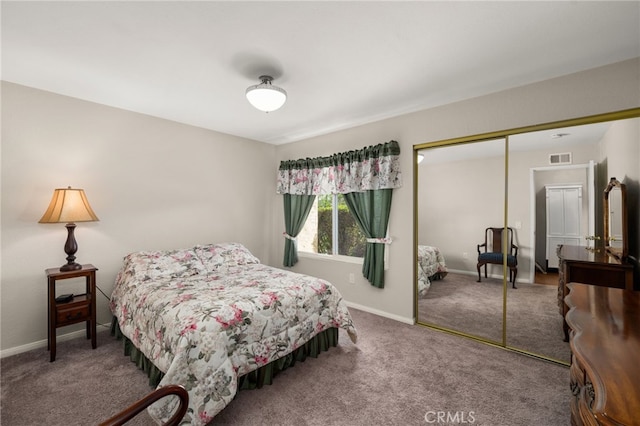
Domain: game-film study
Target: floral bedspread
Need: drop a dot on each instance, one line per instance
(208, 315)
(431, 265)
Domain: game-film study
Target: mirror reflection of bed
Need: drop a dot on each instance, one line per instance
(431, 267)
(461, 191)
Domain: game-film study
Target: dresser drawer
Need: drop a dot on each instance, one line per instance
(73, 313)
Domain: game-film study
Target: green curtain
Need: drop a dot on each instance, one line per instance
(296, 210)
(371, 211)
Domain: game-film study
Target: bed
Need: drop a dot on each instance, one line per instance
(431, 266)
(207, 316)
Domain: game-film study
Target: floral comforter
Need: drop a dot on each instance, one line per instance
(206, 316)
(431, 266)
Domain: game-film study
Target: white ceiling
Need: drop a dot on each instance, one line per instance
(342, 63)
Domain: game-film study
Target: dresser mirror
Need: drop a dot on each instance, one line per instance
(616, 239)
(502, 179)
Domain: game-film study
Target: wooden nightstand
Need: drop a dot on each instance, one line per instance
(82, 308)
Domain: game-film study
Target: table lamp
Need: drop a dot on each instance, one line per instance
(69, 205)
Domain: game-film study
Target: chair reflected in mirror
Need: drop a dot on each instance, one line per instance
(491, 253)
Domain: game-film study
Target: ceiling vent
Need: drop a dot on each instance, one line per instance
(561, 158)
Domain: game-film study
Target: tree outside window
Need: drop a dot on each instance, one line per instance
(330, 229)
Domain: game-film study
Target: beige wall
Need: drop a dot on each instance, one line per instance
(620, 151)
(611, 88)
(160, 184)
(458, 199)
(620, 148)
(153, 183)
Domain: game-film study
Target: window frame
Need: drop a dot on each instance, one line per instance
(334, 243)
(340, 257)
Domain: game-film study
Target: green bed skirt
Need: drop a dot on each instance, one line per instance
(255, 379)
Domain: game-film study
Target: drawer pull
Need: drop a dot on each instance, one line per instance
(575, 388)
(70, 316)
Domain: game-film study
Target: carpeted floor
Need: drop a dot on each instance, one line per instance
(534, 322)
(397, 374)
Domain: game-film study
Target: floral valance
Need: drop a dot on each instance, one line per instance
(373, 167)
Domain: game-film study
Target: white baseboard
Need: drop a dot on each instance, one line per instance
(43, 343)
(465, 272)
(496, 276)
(405, 320)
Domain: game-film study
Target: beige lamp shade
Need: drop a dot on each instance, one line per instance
(69, 205)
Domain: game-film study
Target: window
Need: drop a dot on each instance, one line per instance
(330, 229)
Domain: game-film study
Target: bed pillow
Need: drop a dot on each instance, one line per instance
(152, 265)
(224, 255)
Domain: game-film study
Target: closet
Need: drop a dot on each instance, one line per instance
(503, 179)
(564, 204)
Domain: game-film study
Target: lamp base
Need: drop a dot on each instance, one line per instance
(70, 267)
(71, 247)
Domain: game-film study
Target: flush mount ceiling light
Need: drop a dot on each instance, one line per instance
(265, 96)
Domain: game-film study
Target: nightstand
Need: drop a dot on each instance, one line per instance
(81, 308)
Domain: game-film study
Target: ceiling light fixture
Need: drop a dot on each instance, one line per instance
(265, 96)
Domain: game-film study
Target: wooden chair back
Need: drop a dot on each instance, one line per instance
(495, 236)
(139, 406)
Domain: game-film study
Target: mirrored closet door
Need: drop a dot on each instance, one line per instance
(516, 181)
(548, 205)
(462, 193)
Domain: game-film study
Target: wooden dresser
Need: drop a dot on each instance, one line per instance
(601, 314)
(605, 346)
(594, 266)
(589, 266)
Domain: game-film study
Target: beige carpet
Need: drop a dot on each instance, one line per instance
(534, 322)
(395, 375)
